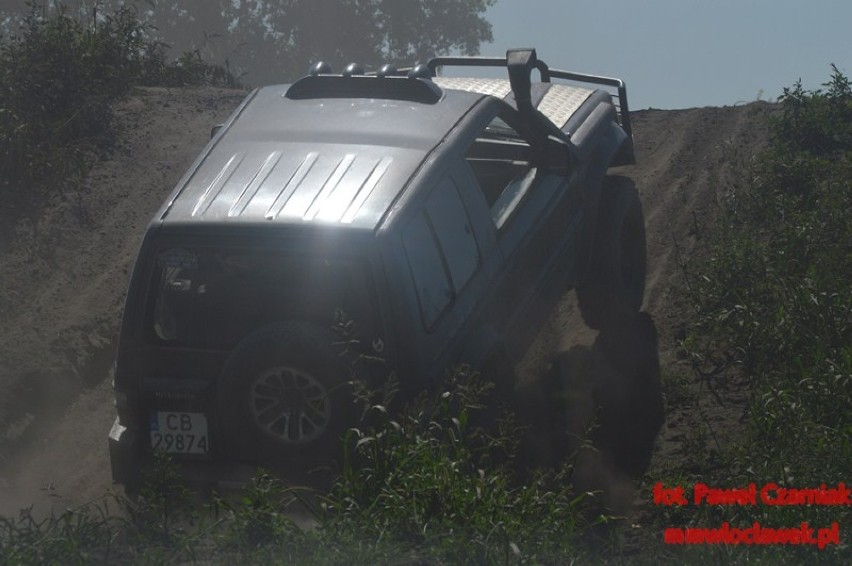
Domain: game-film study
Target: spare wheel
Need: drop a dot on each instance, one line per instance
(284, 394)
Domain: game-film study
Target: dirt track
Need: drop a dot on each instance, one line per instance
(63, 277)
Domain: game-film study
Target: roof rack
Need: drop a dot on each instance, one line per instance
(403, 84)
(620, 98)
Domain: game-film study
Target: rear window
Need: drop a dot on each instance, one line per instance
(215, 296)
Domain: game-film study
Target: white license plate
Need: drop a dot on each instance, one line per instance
(179, 433)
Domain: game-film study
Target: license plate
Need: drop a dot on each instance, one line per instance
(179, 433)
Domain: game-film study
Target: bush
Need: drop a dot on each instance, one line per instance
(58, 80)
(773, 298)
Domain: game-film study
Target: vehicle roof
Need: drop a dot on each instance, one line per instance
(341, 160)
(338, 160)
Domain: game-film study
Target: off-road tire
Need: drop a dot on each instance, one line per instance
(628, 391)
(284, 397)
(613, 285)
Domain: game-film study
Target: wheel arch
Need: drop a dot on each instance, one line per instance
(601, 158)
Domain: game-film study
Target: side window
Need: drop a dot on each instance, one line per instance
(441, 250)
(500, 161)
(452, 227)
(427, 269)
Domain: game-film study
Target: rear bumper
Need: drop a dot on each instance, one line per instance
(125, 468)
(131, 461)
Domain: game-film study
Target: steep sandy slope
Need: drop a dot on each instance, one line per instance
(62, 285)
(62, 280)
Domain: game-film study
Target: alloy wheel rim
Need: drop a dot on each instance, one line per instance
(289, 405)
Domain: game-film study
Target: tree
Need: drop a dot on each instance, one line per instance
(275, 41)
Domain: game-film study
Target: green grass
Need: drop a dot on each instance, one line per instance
(428, 485)
(81, 536)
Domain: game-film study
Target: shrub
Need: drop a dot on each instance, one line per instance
(59, 77)
(773, 299)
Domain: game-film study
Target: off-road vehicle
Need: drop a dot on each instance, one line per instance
(444, 216)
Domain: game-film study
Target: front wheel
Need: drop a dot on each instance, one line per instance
(613, 285)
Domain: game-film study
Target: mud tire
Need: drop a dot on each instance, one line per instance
(613, 285)
(629, 393)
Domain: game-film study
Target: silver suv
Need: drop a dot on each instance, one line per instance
(443, 216)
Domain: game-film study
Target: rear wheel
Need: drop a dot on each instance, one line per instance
(614, 283)
(629, 393)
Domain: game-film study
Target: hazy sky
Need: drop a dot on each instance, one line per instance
(684, 53)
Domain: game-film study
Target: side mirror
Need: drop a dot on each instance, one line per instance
(215, 130)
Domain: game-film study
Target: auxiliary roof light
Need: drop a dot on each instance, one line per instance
(320, 68)
(353, 69)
